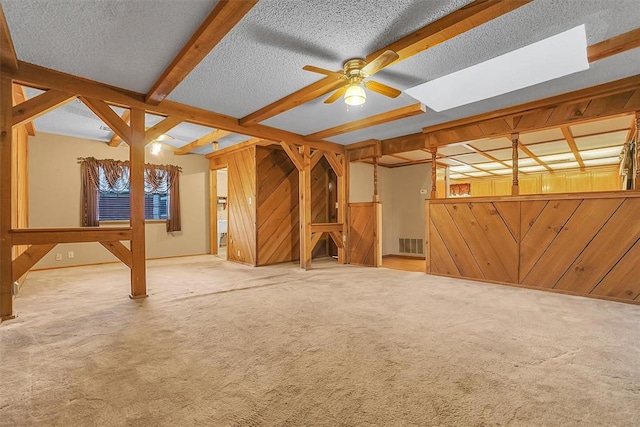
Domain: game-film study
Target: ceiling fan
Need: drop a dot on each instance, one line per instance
(355, 71)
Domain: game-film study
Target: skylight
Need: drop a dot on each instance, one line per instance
(548, 59)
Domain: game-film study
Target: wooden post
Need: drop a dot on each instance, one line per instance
(376, 197)
(136, 173)
(434, 165)
(515, 188)
(213, 211)
(636, 182)
(305, 208)
(342, 208)
(6, 261)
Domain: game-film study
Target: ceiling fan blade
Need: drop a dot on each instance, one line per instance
(323, 71)
(386, 58)
(336, 95)
(382, 89)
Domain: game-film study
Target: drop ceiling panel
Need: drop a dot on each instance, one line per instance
(604, 140)
(543, 135)
(471, 158)
(491, 144)
(600, 126)
(503, 155)
(546, 148)
(453, 150)
(391, 160)
(416, 155)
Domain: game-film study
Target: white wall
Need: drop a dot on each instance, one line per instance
(361, 182)
(402, 203)
(222, 185)
(54, 199)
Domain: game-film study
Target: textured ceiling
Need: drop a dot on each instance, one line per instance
(129, 43)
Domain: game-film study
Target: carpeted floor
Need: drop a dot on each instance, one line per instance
(220, 344)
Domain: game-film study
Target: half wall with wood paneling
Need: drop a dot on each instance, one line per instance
(583, 244)
(365, 229)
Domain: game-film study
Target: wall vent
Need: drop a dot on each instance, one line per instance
(411, 246)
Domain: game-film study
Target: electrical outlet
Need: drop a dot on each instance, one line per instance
(58, 257)
(70, 254)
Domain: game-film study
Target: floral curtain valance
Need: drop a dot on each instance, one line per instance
(109, 175)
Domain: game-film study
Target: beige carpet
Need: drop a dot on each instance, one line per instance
(220, 344)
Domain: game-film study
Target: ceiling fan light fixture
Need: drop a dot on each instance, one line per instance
(355, 95)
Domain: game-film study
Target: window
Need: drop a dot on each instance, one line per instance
(106, 197)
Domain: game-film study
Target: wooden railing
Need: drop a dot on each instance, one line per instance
(583, 244)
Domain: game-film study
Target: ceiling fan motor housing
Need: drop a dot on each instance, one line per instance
(353, 68)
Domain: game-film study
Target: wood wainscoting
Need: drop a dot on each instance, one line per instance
(584, 244)
(365, 232)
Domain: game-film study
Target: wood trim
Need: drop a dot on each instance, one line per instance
(315, 238)
(336, 236)
(378, 119)
(315, 158)
(120, 251)
(555, 196)
(109, 117)
(572, 145)
(446, 28)
(39, 105)
(213, 212)
(326, 227)
(43, 236)
(19, 96)
(224, 16)
(304, 194)
(401, 144)
(614, 45)
(202, 141)
(136, 212)
(115, 139)
(6, 209)
(533, 156)
(335, 161)
(160, 128)
(484, 154)
(29, 258)
(8, 57)
(294, 155)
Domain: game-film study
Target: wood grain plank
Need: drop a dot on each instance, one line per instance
(137, 167)
(8, 57)
(120, 251)
(510, 214)
(617, 236)
(39, 105)
(614, 45)
(441, 260)
(454, 242)
(575, 235)
(529, 214)
(546, 228)
(623, 281)
(29, 258)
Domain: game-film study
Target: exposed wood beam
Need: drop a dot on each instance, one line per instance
(120, 251)
(6, 201)
(533, 156)
(43, 236)
(160, 128)
(109, 117)
(224, 16)
(446, 28)
(8, 57)
(202, 141)
(389, 116)
(315, 158)
(19, 96)
(572, 145)
(294, 155)
(315, 238)
(44, 78)
(401, 144)
(363, 150)
(217, 158)
(29, 258)
(39, 105)
(335, 161)
(614, 45)
(115, 139)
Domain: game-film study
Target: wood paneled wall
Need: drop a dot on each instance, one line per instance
(242, 206)
(278, 216)
(277, 212)
(573, 181)
(365, 227)
(583, 244)
(20, 184)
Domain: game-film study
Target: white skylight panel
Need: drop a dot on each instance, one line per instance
(601, 152)
(502, 171)
(562, 157)
(566, 165)
(536, 168)
(548, 59)
(478, 174)
(603, 161)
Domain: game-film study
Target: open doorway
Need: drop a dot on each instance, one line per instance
(222, 215)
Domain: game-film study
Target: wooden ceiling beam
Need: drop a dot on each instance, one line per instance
(401, 144)
(224, 16)
(568, 136)
(486, 155)
(43, 78)
(109, 117)
(39, 105)
(533, 156)
(389, 116)
(446, 28)
(202, 141)
(19, 96)
(161, 128)
(614, 45)
(115, 139)
(8, 57)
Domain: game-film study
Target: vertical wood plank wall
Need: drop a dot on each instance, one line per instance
(320, 202)
(242, 206)
(278, 217)
(583, 244)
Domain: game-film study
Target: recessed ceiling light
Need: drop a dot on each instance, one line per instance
(548, 59)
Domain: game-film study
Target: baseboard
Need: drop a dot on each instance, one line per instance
(403, 256)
